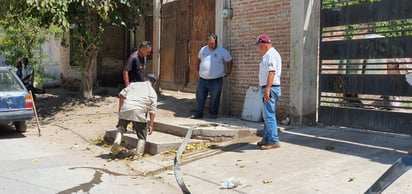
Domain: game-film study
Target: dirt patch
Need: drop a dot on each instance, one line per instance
(91, 118)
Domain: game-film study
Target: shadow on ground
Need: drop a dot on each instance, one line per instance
(379, 147)
(7, 131)
(58, 99)
(180, 105)
(375, 146)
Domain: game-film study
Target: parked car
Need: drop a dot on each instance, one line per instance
(16, 103)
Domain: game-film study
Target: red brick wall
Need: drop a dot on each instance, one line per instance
(250, 18)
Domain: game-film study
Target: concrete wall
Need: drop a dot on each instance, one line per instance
(222, 25)
(304, 60)
(58, 60)
(68, 71)
(51, 66)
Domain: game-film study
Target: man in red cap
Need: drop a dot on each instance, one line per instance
(270, 69)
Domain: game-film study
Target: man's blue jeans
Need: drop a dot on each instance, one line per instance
(270, 127)
(204, 87)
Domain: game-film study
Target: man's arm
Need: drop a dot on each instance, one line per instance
(125, 77)
(198, 64)
(151, 123)
(152, 110)
(229, 68)
(121, 101)
(29, 73)
(269, 83)
(122, 96)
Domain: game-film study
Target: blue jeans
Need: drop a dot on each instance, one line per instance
(270, 127)
(204, 87)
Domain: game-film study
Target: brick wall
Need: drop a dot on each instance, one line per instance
(250, 18)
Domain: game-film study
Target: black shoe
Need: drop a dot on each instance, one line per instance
(195, 117)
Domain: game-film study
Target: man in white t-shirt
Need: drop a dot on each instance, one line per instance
(270, 69)
(139, 99)
(211, 66)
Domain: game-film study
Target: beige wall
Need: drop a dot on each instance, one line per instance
(57, 61)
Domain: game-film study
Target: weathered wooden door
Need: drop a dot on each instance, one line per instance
(365, 53)
(185, 27)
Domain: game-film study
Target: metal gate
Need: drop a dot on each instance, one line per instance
(364, 57)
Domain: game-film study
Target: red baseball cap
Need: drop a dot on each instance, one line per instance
(263, 38)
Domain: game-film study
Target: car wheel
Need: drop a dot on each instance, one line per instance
(21, 126)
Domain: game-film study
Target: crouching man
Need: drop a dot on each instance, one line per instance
(137, 101)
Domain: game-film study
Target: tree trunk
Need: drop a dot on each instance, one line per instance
(87, 76)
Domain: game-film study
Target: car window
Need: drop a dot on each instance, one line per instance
(8, 82)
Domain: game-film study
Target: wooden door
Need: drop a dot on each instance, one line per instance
(185, 27)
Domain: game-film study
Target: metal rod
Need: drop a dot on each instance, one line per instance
(35, 113)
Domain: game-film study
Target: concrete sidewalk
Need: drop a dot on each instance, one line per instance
(310, 160)
(169, 132)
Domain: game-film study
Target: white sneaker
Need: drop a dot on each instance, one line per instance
(115, 149)
(117, 142)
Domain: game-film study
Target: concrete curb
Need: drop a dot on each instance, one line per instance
(169, 132)
(156, 143)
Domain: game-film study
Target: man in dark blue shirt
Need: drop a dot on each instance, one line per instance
(134, 70)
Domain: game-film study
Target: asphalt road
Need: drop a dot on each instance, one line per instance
(65, 159)
(49, 164)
